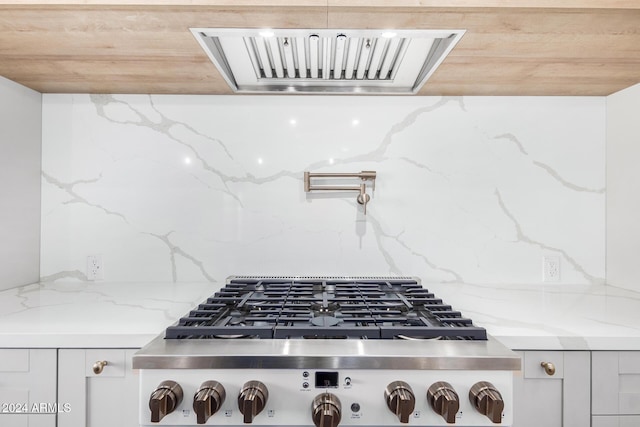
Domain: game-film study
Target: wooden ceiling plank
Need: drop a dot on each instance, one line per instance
(502, 4)
(483, 20)
(573, 4)
(120, 49)
(155, 3)
(175, 18)
(515, 89)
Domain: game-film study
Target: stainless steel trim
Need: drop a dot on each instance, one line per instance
(325, 354)
(371, 61)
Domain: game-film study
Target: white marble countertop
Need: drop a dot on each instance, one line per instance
(95, 314)
(128, 315)
(550, 317)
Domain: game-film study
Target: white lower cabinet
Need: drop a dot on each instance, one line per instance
(558, 396)
(28, 388)
(616, 388)
(108, 398)
(577, 388)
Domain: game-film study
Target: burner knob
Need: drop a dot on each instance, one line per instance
(208, 400)
(444, 400)
(487, 400)
(326, 410)
(252, 399)
(400, 400)
(164, 400)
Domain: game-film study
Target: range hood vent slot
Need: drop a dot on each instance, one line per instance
(329, 61)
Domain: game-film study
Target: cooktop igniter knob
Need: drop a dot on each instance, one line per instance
(400, 400)
(487, 400)
(326, 410)
(252, 399)
(444, 400)
(164, 400)
(208, 400)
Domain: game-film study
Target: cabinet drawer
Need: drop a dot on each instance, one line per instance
(532, 364)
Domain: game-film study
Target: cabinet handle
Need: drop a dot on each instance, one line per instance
(549, 367)
(99, 366)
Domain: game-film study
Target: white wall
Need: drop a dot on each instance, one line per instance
(623, 188)
(20, 144)
(189, 188)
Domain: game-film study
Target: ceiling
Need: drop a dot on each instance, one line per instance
(511, 47)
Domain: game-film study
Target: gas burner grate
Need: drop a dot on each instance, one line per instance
(324, 308)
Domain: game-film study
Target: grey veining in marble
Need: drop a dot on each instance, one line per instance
(190, 188)
(524, 317)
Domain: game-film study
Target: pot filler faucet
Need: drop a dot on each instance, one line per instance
(363, 198)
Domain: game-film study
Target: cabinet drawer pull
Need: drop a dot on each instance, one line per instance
(549, 367)
(99, 366)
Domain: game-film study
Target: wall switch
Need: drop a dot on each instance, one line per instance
(94, 267)
(551, 268)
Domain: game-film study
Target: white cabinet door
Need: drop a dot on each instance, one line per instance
(616, 382)
(28, 388)
(558, 400)
(109, 398)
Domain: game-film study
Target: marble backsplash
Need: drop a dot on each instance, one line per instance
(192, 188)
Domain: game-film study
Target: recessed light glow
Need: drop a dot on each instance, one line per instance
(266, 33)
(187, 160)
(293, 122)
(330, 161)
(355, 122)
(389, 34)
(259, 160)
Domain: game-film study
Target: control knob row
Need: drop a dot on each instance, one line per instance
(326, 407)
(444, 400)
(441, 396)
(208, 400)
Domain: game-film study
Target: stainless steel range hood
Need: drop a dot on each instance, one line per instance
(327, 61)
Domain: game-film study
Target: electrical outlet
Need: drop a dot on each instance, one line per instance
(551, 268)
(94, 267)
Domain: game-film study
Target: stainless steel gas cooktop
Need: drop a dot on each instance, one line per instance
(325, 351)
